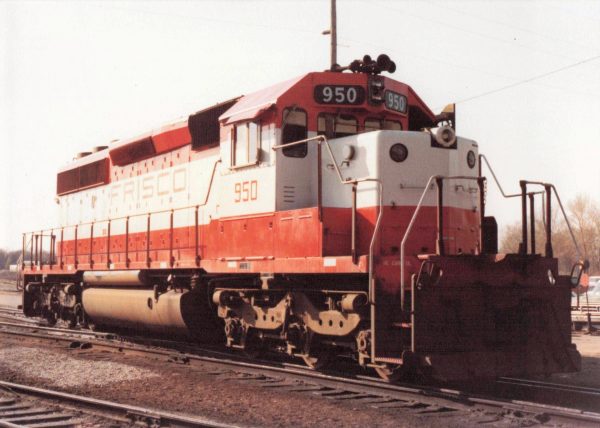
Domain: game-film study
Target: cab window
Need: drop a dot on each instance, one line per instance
(294, 129)
(372, 124)
(246, 138)
(336, 126)
(392, 125)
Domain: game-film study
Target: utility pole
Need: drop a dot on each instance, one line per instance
(333, 32)
(333, 35)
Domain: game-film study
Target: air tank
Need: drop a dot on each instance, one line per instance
(182, 313)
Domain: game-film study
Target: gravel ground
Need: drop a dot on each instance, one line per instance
(148, 382)
(7, 285)
(589, 347)
(8, 280)
(57, 370)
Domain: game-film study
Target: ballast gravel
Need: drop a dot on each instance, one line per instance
(210, 392)
(65, 371)
(155, 383)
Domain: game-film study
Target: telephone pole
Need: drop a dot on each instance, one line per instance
(333, 35)
(333, 32)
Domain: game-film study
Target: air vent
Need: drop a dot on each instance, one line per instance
(289, 194)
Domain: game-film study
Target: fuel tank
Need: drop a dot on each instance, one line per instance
(177, 312)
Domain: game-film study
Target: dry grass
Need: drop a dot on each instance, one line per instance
(8, 280)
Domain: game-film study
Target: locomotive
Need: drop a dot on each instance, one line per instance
(330, 214)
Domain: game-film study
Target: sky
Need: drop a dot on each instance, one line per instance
(525, 76)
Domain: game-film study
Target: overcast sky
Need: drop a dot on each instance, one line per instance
(79, 74)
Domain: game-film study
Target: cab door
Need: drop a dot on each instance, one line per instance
(297, 169)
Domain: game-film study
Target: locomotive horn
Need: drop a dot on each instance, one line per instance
(383, 61)
(355, 66)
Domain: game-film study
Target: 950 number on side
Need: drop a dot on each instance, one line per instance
(246, 191)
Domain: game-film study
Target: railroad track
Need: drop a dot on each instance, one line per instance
(549, 386)
(18, 411)
(363, 390)
(15, 412)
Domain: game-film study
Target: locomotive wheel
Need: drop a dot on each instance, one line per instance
(77, 317)
(318, 359)
(50, 317)
(390, 372)
(72, 322)
(254, 347)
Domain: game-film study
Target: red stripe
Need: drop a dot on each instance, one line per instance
(287, 241)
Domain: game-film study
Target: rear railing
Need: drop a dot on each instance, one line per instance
(524, 195)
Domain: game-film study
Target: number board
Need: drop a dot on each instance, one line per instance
(339, 94)
(395, 101)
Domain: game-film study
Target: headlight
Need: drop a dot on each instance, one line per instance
(398, 152)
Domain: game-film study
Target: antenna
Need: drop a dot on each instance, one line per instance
(333, 31)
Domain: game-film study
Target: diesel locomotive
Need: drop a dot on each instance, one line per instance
(330, 214)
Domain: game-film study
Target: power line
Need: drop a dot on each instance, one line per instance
(560, 39)
(313, 32)
(459, 66)
(530, 79)
(511, 43)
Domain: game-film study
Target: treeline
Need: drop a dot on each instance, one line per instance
(584, 217)
(8, 258)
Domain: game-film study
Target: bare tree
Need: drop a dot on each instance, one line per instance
(584, 217)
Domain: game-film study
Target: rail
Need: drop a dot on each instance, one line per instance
(545, 194)
(440, 239)
(36, 251)
(548, 189)
(406, 395)
(21, 263)
(512, 195)
(158, 417)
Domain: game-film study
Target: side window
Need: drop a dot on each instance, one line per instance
(343, 125)
(372, 125)
(392, 125)
(246, 138)
(294, 129)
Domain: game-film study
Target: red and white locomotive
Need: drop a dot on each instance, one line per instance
(319, 216)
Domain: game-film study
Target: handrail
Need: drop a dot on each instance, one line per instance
(562, 209)
(547, 186)
(512, 195)
(412, 221)
(21, 260)
(126, 217)
(321, 139)
(153, 212)
(515, 195)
